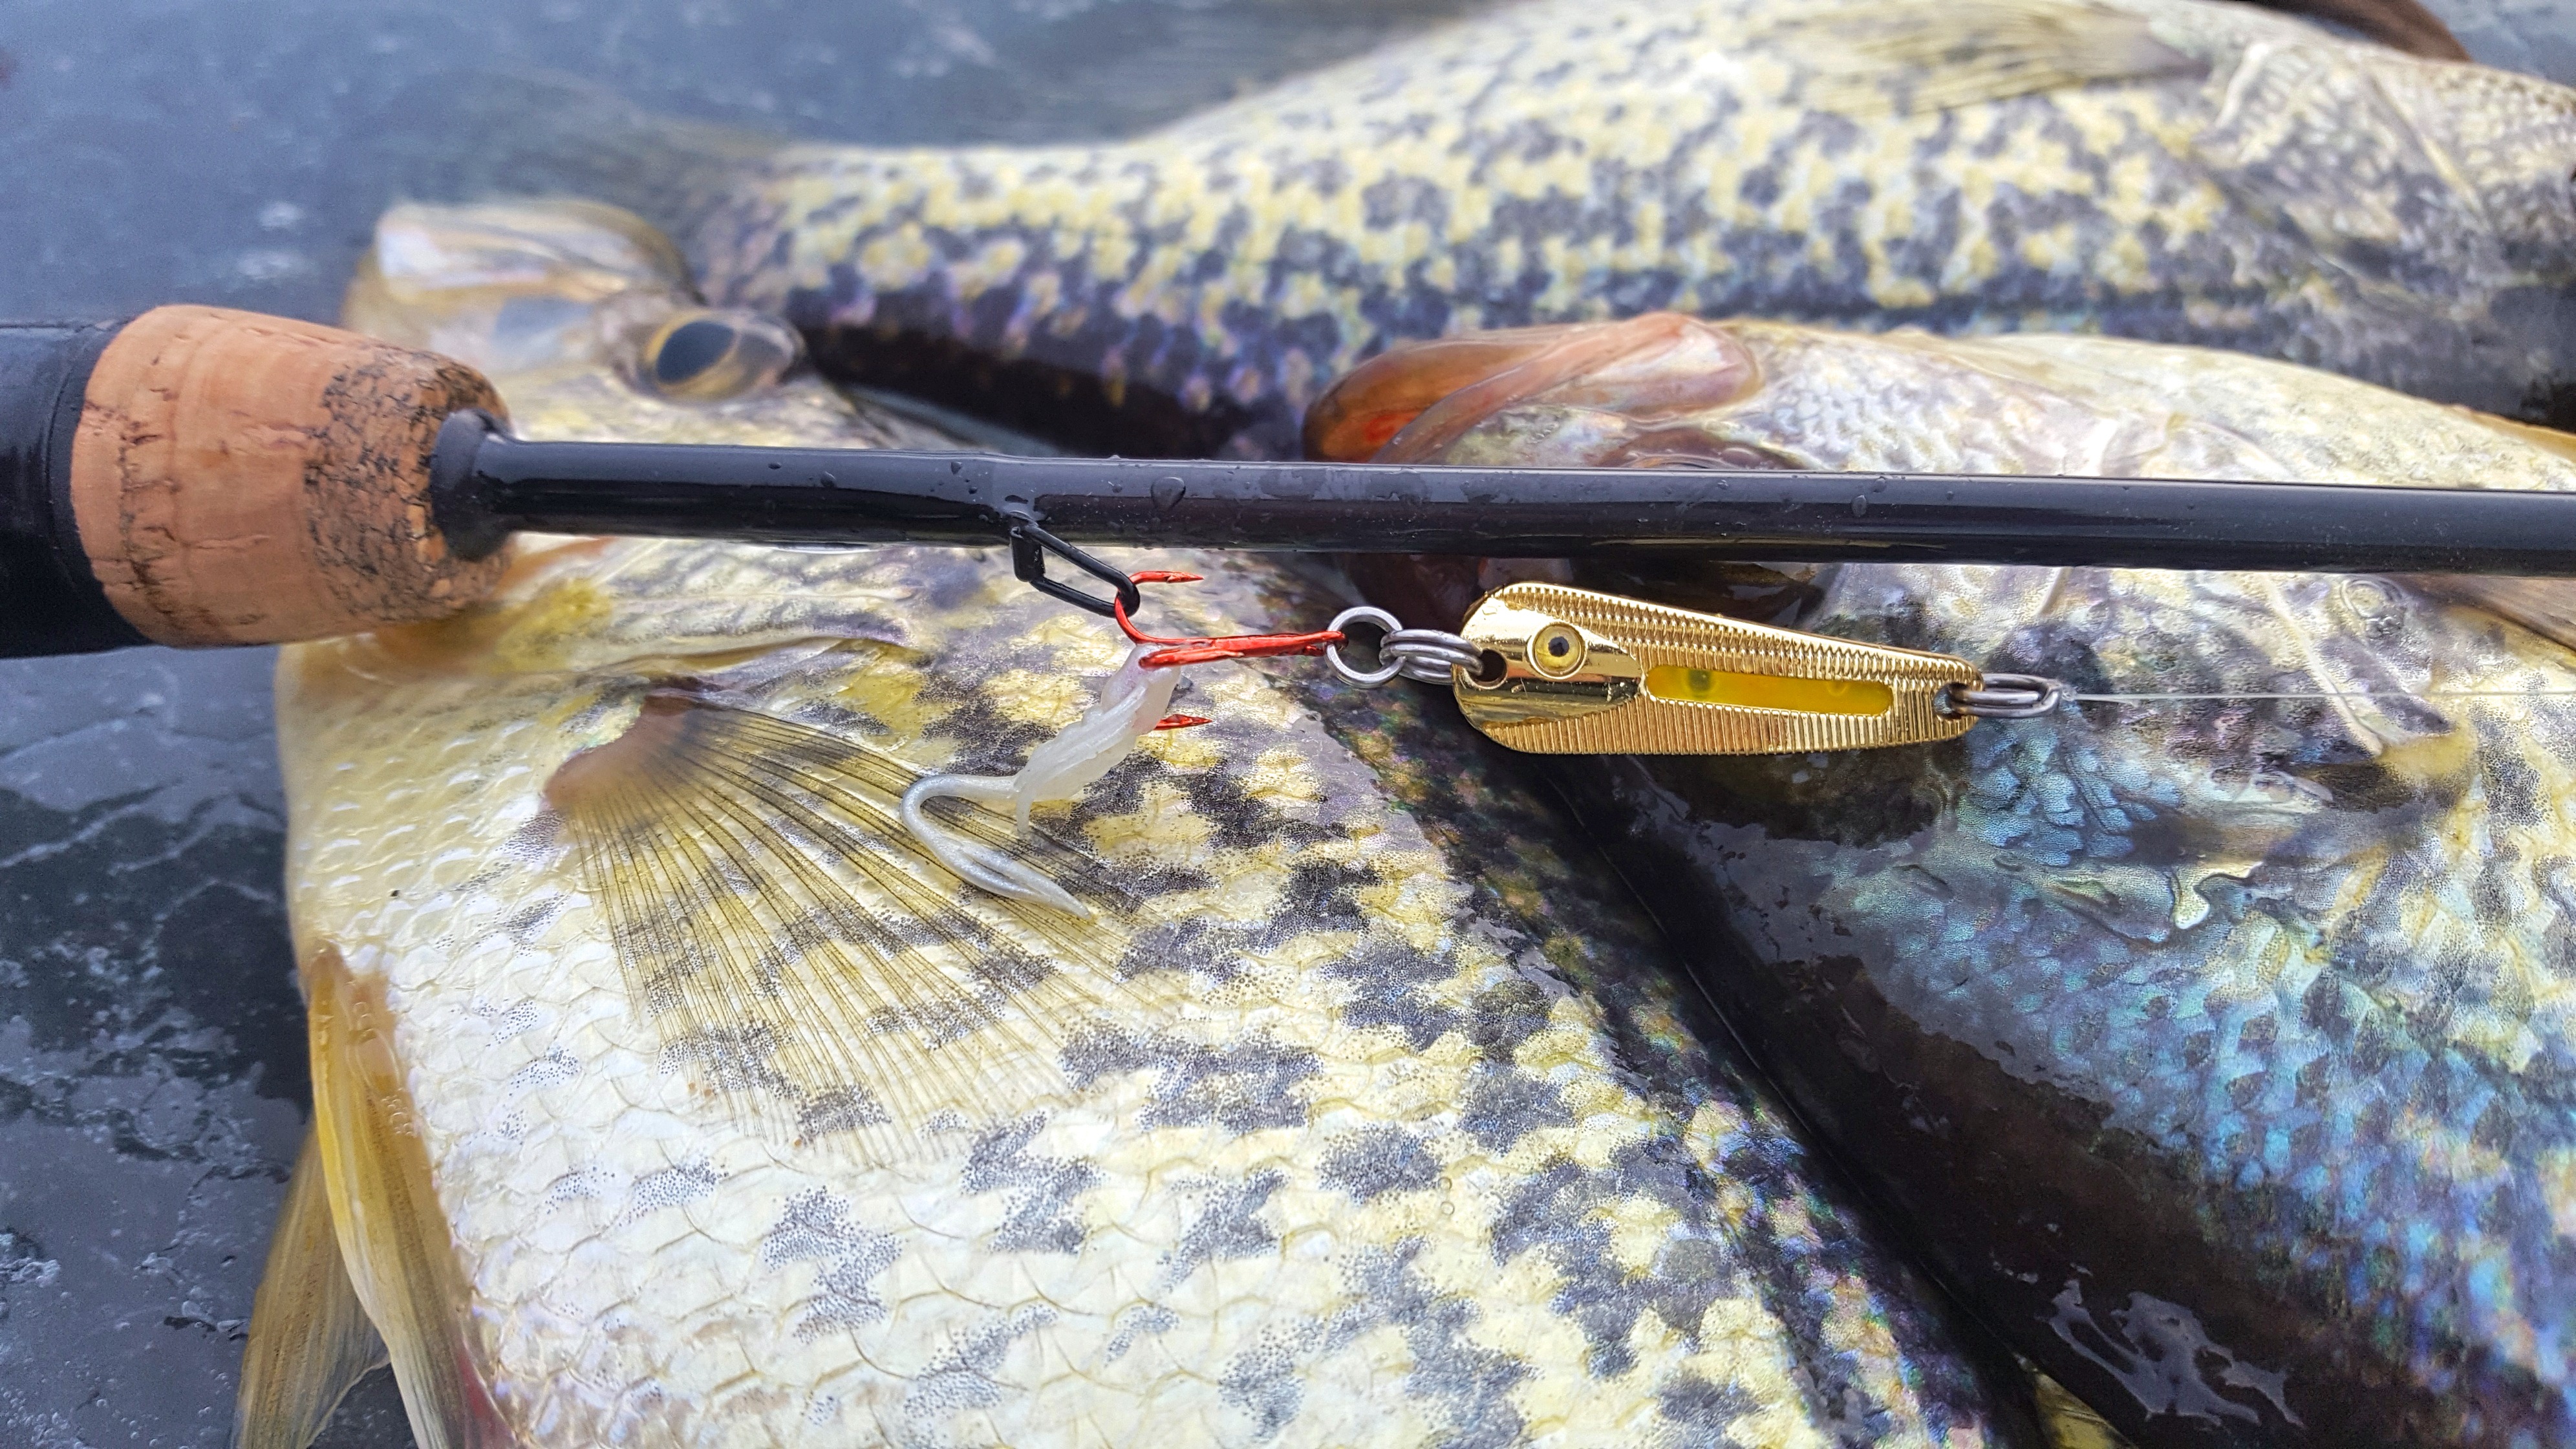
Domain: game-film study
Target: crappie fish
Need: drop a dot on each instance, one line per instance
(2214, 1039)
(669, 1094)
(2164, 169)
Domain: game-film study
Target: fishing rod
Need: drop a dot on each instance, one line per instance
(201, 477)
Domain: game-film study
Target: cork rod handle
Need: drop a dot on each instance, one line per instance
(240, 479)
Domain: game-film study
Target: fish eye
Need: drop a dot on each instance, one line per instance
(708, 355)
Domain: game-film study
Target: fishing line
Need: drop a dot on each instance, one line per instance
(2334, 694)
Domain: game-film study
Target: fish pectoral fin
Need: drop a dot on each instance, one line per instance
(1411, 402)
(398, 1256)
(806, 951)
(1930, 55)
(2547, 607)
(310, 1338)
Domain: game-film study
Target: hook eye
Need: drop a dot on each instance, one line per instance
(703, 354)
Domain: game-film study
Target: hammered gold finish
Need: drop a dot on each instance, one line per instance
(1602, 705)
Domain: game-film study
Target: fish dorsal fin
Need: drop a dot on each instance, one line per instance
(797, 951)
(394, 1239)
(310, 1339)
(1932, 55)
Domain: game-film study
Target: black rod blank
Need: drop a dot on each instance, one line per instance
(492, 483)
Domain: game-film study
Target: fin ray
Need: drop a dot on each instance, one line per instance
(393, 1236)
(2546, 607)
(1932, 55)
(797, 950)
(310, 1338)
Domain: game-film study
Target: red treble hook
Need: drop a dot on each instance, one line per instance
(1209, 651)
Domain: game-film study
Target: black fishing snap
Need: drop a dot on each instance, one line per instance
(1031, 544)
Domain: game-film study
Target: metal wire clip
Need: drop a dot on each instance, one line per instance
(1429, 656)
(2005, 696)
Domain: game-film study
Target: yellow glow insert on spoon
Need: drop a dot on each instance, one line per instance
(1686, 685)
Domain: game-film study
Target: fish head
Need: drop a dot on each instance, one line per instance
(1670, 391)
(584, 317)
(512, 285)
(1577, 395)
(2137, 814)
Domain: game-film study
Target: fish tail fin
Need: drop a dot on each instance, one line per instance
(543, 133)
(310, 1338)
(400, 1260)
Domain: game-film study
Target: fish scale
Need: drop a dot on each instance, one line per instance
(2215, 1029)
(1369, 1111)
(1463, 1153)
(2164, 169)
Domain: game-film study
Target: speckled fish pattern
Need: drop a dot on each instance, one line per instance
(1386, 1122)
(1410, 1141)
(2220, 1048)
(2162, 169)
(2272, 999)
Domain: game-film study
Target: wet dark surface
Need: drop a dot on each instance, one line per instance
(151, 1077)
(237, 153)
(151, 1073)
